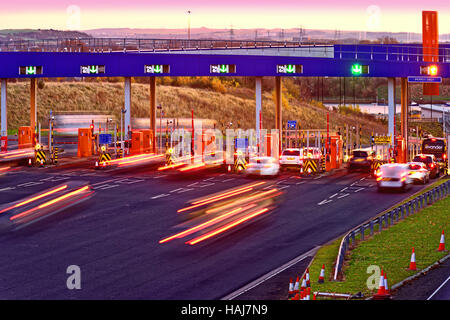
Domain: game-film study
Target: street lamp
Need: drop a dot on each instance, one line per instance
(189, 24)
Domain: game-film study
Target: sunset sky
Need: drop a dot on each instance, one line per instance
(363, 15)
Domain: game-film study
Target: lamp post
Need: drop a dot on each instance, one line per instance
(189, 24)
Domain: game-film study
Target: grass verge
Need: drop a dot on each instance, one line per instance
(390, 250)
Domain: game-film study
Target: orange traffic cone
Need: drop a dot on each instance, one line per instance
(297, 284)
(315, 296)
(322, 274)
(442, 242)
(308, 293)
(291, 288)
(29, 162)
(296, 297)
(308, 284)
(381, 288)
(303, 287)
(386, 288)
(412, 264)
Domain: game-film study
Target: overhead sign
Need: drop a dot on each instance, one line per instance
(241, 143)
(93, 69)
(30, 70)
(222, 68)
(382, 139)
(104, 138)
(358, 69)
(157, 68)
(289, 68)
(425, 79)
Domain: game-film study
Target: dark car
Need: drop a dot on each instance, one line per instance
(360, 160)
(430, 162)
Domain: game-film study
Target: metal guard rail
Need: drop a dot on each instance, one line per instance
(413, 53)
(388, 219)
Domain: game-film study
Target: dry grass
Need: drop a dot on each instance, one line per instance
(237, 105)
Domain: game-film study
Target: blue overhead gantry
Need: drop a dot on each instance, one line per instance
(218, 59)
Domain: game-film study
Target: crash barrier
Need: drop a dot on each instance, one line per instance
(387, 219)
(240, 163)
(55, 155)
(40, 156)
(311, 166)
(170, 157)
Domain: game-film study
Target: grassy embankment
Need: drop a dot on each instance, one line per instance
(389, 249)
(236, 105)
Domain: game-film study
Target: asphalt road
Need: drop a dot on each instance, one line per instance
(434, 285)
(113, 237)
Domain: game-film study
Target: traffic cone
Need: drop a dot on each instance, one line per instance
(381, 288)
(386, 288)
(308, 284)
(297, 284)
(29, 162)
(315, 296)
(308, 293)
(322, 274)
(229, 168)
(412, 264)
(442, 242)
(291, 288)
(303, 287)
(296, 297)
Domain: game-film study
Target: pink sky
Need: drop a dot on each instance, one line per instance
(364, 15)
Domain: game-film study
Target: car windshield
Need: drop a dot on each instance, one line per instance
(291, 153)
(360, 154)
(423, 159)
(391, 171)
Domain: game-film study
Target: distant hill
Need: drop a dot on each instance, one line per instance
(295, 34)
(30, 34)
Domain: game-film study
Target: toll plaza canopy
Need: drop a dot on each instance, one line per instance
(221, 58)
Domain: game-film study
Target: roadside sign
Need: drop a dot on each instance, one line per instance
(382, 139)
(425, 79)
(241, 143)
(292, 124)
(104, 138)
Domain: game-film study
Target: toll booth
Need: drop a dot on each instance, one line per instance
(336, 155)
(85, 142)
(400, 150)
(147, 140)
(137, 142)
(25, 137)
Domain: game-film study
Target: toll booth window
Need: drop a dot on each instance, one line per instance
(360, 154)
(291, 152)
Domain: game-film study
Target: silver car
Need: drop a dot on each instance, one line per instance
(394, 176)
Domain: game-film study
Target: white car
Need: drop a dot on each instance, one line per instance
(290, 158)
(263, 166)
(394, 176)
(418, 172)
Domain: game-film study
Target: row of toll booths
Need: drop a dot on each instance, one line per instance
(141, 142)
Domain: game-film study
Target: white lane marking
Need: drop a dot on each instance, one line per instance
(334, 195)
(344, 189)
(269, 275)
(359, 189)
(438, 288)
(226, 180)
(185, 190)
(161, 176)
(30, 184)
(283, 187)
(129, 181)
(324, 202)
(209, 179)
(353, 184)
(106, 186)
(192, 184)
(6, 189)
(207, 185)
(317, 177)
(281, 181)
(301, 182)
(344, 195)
(54, 179)
(176, 190)
(162, 195)
(102, 182)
